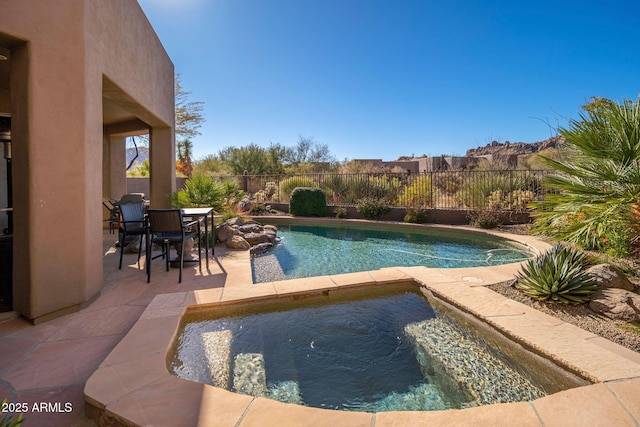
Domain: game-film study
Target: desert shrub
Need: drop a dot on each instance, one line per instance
(384, 188)
(558, 275)
(287, 186)
(231, 192)
(266, 194)
(515, 200)
(418, 216)
(595, 228)
(336, 187)
(258, 209)
(270, 190)
(340, 212)
(501, 188)
(369, 186)
(307, 201)
(200, 191)
(448, 182)
(233, 211)
(418, 194)
(521, 199)
(259, 196)
(475, 191)
(372, 208)
(485, 218)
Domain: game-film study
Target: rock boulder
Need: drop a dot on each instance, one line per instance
(614, 298)
(237, 242)
(260, 248)
(224, 231)
(247, 234)
(607, 276)
(617, 304)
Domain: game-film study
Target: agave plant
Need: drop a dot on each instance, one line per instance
(558, 275)
(8, 419)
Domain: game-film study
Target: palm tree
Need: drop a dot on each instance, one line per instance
(184, 164)
(595, 189)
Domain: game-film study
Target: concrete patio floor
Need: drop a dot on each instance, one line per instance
(53, 362)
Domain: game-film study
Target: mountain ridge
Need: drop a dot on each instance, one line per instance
(515, 148)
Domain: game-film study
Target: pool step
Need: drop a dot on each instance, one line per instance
(266, 268)
(217, 350)
(469, 362)
(249, 375)
(434, 370)
(286, 391)
(416, 398)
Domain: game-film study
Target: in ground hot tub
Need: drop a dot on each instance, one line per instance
(133, 385)
(372, 349)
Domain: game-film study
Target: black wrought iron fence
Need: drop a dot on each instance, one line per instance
(464, 190)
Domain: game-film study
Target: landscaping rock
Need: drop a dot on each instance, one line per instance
(260, 248)
(271, 235)
(256, 238)
(224, 231)
(237, 242)
(607, 276)
(250, 228)
(237, 221)
(245, 204)
(617, 304)
(247, 234)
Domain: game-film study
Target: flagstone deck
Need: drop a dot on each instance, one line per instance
(113, 353)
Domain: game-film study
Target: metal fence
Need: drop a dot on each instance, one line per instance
(509, 190)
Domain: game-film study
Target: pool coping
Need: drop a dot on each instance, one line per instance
(133, 386)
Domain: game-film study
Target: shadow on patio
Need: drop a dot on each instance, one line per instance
(49, 363)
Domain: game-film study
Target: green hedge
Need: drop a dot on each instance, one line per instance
(306, 201)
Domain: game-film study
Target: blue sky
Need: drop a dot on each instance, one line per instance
(383, 79)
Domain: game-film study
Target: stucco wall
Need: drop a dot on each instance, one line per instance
(63, 51)
(141, 185)
(124, 48)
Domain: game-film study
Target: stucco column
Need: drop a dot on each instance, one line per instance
(163, 166)
(117, 167)
(57, 197)
(21, 172)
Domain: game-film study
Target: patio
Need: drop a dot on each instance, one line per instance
(51, 362)
(113, 350)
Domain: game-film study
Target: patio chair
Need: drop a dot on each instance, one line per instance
(114, 214)
(132, 223)
(167, 227)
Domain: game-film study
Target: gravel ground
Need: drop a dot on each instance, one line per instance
(579, 315)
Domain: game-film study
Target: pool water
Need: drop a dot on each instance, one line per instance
(306, 251)
(377, 353)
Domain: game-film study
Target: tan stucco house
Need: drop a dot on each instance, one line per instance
(76, 78)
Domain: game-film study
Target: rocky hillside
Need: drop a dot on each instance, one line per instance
(519, 148)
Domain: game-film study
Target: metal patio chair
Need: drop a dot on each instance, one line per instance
(167, 227)
(114, 213)
(132, 223)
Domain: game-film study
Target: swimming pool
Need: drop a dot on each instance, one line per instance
(307, 250)
(373, 350)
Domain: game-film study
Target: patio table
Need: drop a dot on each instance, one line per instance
(203, 213)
